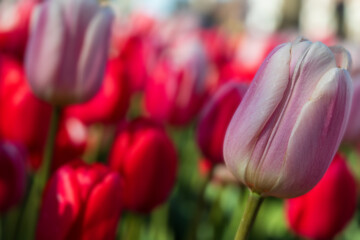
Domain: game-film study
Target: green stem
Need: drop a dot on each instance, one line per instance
(134, 225)
(28, 221)
(199, 206)
(248, 218)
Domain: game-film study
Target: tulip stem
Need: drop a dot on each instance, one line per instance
(49, 146)
(199, 206)
(28, 221)
(248, 218)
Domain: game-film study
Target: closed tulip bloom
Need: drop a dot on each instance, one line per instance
(352, 133)
(146, 159)
(111, 102)
(67, 50)
(80, 202)
(177, 88)
(289, 125)
(324, 212)
(215, 118)
(12, 174)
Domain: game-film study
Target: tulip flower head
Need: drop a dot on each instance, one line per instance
(215, 118)
(145, 156)
(80, 202)
(67, 50)
(324, 211)
(291, 120)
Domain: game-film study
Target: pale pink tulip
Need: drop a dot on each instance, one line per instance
(289, 125)
(68, 50)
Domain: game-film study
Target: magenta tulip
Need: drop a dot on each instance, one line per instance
(289, 125)
(12, 174)
(215, 118)
(67, 50)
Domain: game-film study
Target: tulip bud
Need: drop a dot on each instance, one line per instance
(80, 202)
(291, 120)
(324, 211)
(146, 158)
(67, 50)
(110, 104)
(12, 175)
(352, 133)
(215, 118)
(176, 90)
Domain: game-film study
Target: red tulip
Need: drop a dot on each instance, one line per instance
(177, 87)
(328, 207)
(132, 45)
(215, 118)
(71, 142)
(146, 159)
(12, 175)
(80, 202)
(110, 104)
(24, 118)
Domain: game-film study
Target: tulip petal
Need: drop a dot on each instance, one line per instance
(60, 206)
(263, 95)
(103, 209)
(342, 57)
(94, 53)
(272, 142)
(44, 47)
(316, 135)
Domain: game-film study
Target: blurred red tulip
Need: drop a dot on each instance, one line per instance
(328, 207)
(177, 87)
(80, 202)
(71, 142)
(24, 118)
(110, 104)
(217, 46)
(215, 118)
(12, 174)
(146, 159)
(14, 26)
(251, 52)
(132, 45)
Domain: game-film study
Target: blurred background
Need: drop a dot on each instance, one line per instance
(171, 57)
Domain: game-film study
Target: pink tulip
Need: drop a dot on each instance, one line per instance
(289, 125)
(68, 49)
